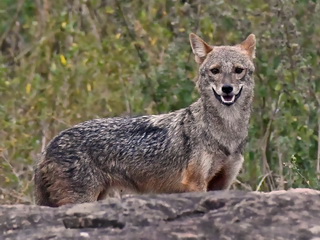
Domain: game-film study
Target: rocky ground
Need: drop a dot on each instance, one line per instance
(291, 214)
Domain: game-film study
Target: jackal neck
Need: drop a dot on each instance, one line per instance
(225, 125)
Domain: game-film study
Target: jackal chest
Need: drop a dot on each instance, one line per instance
(215, 162)
(226, 146)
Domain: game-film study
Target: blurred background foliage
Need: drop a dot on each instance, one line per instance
(63, 62)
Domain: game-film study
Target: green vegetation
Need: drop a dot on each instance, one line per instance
(63, 62)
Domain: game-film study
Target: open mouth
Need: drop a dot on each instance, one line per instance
(228, 99)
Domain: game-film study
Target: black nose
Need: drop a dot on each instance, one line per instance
(227, 88)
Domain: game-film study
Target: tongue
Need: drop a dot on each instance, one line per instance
(227, 98)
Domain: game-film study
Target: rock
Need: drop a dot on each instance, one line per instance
(279, 215)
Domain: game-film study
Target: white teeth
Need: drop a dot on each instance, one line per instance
(228, 101)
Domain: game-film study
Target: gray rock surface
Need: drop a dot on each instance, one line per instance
(291, 214)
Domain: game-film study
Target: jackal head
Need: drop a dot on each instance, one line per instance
(225, 72)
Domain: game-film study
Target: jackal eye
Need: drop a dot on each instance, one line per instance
(215, 71)
(238, 70)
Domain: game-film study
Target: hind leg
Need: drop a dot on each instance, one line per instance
(62, 191)
(61, 194)
(55, 186)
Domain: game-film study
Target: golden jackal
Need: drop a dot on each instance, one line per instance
(198, 148)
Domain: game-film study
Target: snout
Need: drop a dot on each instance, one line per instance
(227, 88)
(228, 95)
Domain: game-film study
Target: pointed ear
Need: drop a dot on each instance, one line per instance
(199, 47)
(249, 45)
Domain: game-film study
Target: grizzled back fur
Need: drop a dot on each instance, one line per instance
(198, 148)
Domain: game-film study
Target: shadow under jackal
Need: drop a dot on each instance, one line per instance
(198, 148)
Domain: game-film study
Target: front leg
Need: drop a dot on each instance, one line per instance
(193, 179)
(228, 173)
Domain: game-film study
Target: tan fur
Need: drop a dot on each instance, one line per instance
(193, 179)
